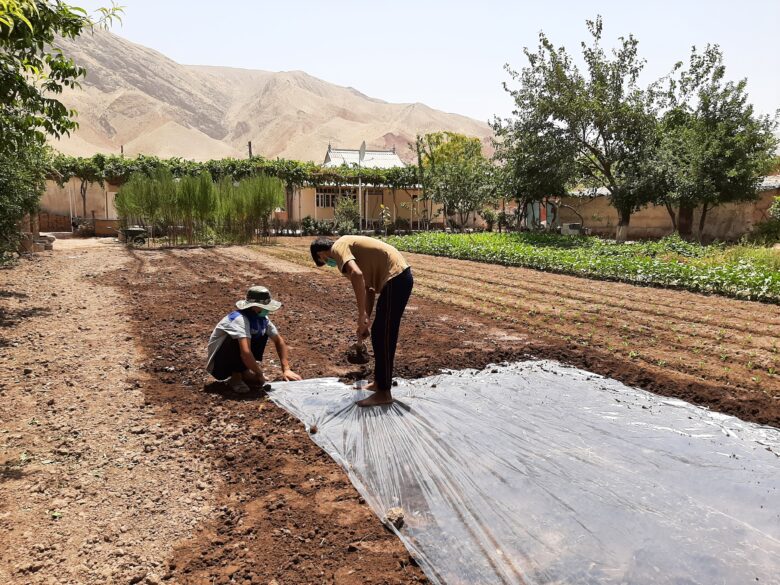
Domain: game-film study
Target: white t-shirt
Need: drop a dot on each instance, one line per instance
(238, 326)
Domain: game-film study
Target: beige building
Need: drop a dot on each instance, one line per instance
(66, 200)
(320, 202)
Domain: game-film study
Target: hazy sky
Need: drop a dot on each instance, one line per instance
(448, 54)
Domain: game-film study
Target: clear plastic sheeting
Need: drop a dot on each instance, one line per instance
(540, 473)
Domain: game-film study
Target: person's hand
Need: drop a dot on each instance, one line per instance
(289, 376)
(362, 330)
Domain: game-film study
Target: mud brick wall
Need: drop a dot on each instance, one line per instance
(49, 222)
(726, 222)
(106, 227)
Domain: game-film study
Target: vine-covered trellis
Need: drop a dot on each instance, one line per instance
(149, 197)
(116, 170)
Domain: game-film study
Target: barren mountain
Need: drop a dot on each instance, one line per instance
(138, 98)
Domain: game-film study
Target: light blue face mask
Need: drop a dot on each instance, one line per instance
(262, 313)
(331, 262)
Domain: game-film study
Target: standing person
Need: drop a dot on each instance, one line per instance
(237, 344)
(374, 268)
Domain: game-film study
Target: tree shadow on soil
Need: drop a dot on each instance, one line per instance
(13, 317)
(224, 390)
(10, 471)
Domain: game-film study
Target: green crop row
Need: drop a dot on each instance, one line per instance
(740, 271)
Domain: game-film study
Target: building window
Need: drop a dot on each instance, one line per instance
(325, 199)
(329, 196)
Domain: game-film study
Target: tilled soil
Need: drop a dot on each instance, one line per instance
(121, 462)
(717, 352)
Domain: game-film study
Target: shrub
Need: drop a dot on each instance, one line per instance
(490, 217)
(767, 232)
(347, 214)
(307, 226)
(402, 224)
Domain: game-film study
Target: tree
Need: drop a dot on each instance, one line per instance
(714, 148)
(33, 71)
(536, 161)
(774, 166)
(601, 122)
(457, 174)
(22, 180)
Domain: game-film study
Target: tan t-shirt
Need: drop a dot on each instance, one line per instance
(378, 261)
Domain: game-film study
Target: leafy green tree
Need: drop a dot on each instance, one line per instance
(536, 161)
(599, 121)
(22, 180)
(33, 71)
(714, 148)
(457, 174)
(536, 158)
(774, 166)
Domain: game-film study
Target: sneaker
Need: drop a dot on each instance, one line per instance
(239, 387)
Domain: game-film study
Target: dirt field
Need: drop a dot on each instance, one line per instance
(121, 463)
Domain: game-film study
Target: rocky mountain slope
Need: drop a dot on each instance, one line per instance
(139, 99)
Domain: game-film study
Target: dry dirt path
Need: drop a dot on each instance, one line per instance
(120, 463)
(94, 486)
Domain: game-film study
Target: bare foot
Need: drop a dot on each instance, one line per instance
(371, 387)
(254, 380)
(377, 399)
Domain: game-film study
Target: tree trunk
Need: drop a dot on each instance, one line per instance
(624, 217)
(522, 207)
(551, 222)
(685, 220)
(83, 191)
(701, 221)
(670, 210)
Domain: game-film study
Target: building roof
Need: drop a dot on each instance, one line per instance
(374, 159)
(590, 192)
(769, 183)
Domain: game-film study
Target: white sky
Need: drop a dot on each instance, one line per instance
(448, 54)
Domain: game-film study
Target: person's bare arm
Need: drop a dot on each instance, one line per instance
(284, 359)
(247, 357)
(370, 297)
(355, 275)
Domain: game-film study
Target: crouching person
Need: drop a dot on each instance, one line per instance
(238, 342)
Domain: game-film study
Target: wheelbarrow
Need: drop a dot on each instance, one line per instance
(134, 235)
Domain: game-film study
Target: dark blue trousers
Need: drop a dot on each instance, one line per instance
(387, 322)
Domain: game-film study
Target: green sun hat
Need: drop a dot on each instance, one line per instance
(259, 296)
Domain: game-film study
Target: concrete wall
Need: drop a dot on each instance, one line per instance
(66, 200)
(726, 222)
